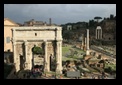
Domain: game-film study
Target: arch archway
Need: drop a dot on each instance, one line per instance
(22, 61)
(37, 56)
(47, 35)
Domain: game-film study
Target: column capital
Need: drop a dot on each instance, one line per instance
(14, 43)
(45, 42)
(26, 43)
(58, 29)
(58, 43)
(87, 29)
(58, 40)
(13, 29)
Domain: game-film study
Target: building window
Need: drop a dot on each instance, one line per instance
(35, 34)
(8, 39)
(109, 38)
(8, 50)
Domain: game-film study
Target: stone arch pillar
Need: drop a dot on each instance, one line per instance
(59, 57)
(26, 56)
(16, 58)
(46, 63)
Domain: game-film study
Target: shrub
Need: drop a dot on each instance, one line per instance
(7, 70)
(37, 50)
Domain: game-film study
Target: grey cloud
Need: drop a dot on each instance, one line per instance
(60, 13)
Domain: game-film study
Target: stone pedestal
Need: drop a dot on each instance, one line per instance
(87, 52)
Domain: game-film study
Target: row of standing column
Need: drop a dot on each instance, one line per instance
(98, 33)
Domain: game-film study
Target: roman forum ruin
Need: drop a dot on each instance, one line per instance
(87, 43)
(25, 38)
(98, 32)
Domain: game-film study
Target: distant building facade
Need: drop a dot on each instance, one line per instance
(32, 22)
(69, 27)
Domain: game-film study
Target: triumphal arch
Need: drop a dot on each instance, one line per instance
(49, 38)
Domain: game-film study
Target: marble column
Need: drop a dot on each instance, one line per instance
(31, 58)
(14, 51)
(101, 34)
(57, 56)
(85, 44)
(96, 33)
(60, 57)
(26, 57)
(46, 68)
(87, 47)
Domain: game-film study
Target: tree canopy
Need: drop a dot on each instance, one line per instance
(97, 18)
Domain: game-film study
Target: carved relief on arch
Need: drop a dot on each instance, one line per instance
(19, 49)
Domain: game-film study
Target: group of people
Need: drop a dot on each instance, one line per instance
(35, 72)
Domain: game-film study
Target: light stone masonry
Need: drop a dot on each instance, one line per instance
(30, 36)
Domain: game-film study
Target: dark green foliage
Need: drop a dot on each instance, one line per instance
(68, 61)
(98, 69)
(7, 70)
(97, 18)
(37, 50)
(75, 53)
(110, 69)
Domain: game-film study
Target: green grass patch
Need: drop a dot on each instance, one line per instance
(65, 50)
(113, 66)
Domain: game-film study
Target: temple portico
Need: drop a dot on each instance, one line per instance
(98, 32)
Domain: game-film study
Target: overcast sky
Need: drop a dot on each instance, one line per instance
(59, 13)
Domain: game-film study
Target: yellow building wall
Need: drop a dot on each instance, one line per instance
(8, 25)
(7, 22)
